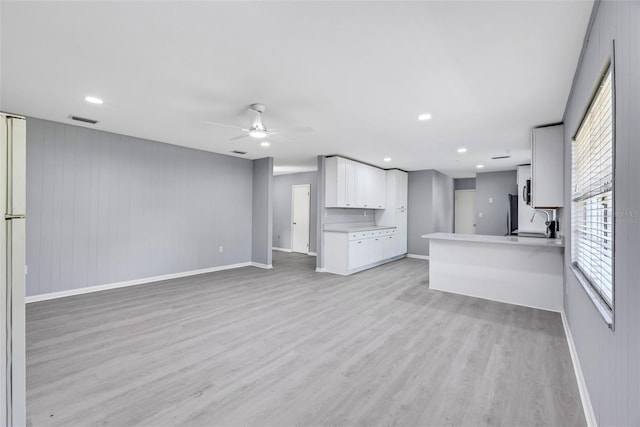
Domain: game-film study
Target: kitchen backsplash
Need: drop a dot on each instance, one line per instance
(348, 215)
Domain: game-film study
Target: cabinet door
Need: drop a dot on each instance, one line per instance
(350, 182)
(547, 159)
(358, 253)
(362, 186)
(376, 249)
(401, 221)
(379, 188)
(389, 247)
(401, 244)
(402, 189)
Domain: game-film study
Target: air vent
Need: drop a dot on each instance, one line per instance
(83, 119)
(239, 152)
(500, 157)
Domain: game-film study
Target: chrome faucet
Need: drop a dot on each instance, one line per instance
(544, 212)
(551, 225)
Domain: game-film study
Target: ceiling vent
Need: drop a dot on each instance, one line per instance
(500, 157)
(239, 152)
(83, 119)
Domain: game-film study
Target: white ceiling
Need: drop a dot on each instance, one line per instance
(358, 73)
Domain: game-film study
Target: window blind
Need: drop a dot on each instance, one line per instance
(592, 242)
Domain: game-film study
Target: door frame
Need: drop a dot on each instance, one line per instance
(308, 187)
(455, 209)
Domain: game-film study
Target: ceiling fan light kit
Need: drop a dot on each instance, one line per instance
(257, 129)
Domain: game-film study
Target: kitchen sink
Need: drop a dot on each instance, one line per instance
(526, 234)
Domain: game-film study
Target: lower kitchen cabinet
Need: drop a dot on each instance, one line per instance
(347, 253)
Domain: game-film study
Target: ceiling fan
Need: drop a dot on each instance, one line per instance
(257, 129)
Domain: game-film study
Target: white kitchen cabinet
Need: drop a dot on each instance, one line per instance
(351, 184)
(358, 253)
(525, 211)
(389, 246)
(547, 158)
(376, 249)
(401, 188)
(350, 252)
(396, 196)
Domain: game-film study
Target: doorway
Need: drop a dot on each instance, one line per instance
(300, 209)
(465, 212)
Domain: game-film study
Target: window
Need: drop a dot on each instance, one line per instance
(592, 243)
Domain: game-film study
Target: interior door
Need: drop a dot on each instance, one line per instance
(12, 260)
(465, 212)
(300, 207)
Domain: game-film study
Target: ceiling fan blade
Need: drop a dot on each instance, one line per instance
(221, 124)
(239, 137)
(301, 129)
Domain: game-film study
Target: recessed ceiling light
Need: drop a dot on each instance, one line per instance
(387, 159)
(480, 166)
(93, 99)
(265, 144)
(462, 150)
(425, 116)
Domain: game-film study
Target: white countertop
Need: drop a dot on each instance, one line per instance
(508, 240)
(354, 227)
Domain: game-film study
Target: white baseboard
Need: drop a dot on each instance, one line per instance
(589, 415)
(260, 265)
(281, 249)
(320, 270)
(107, 286)
(312, 254)
(418, 256)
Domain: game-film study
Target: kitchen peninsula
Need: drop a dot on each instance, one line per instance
(518, 270)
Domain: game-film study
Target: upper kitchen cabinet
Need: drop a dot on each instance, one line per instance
(350, 184)
(401, 187)
(547, 158)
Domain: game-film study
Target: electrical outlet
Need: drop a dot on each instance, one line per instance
(365, 213)
(480, 214)
(220, 249)
(490, 199)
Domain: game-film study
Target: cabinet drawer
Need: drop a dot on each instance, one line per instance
(359, 235)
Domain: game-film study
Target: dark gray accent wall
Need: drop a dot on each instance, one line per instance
(610, 359)
(492, 190)
(465, 183)
(282, 208)
(430, 210)
(262, 211)
(105, 208)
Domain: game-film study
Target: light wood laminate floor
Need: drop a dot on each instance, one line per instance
(290, 347)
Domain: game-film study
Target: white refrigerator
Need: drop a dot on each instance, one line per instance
(12, 269)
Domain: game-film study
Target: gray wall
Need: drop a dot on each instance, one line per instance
(610, 360)
(495, 214)
(430, 210)
(465, 183)
(105, 208)
(282, 208)
(262, 211)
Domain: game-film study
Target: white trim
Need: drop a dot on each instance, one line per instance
(589, 415)
(90, 289)
(418, 256)
(260, 265)
(320, 270)
(281, 249)
(312, 254)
